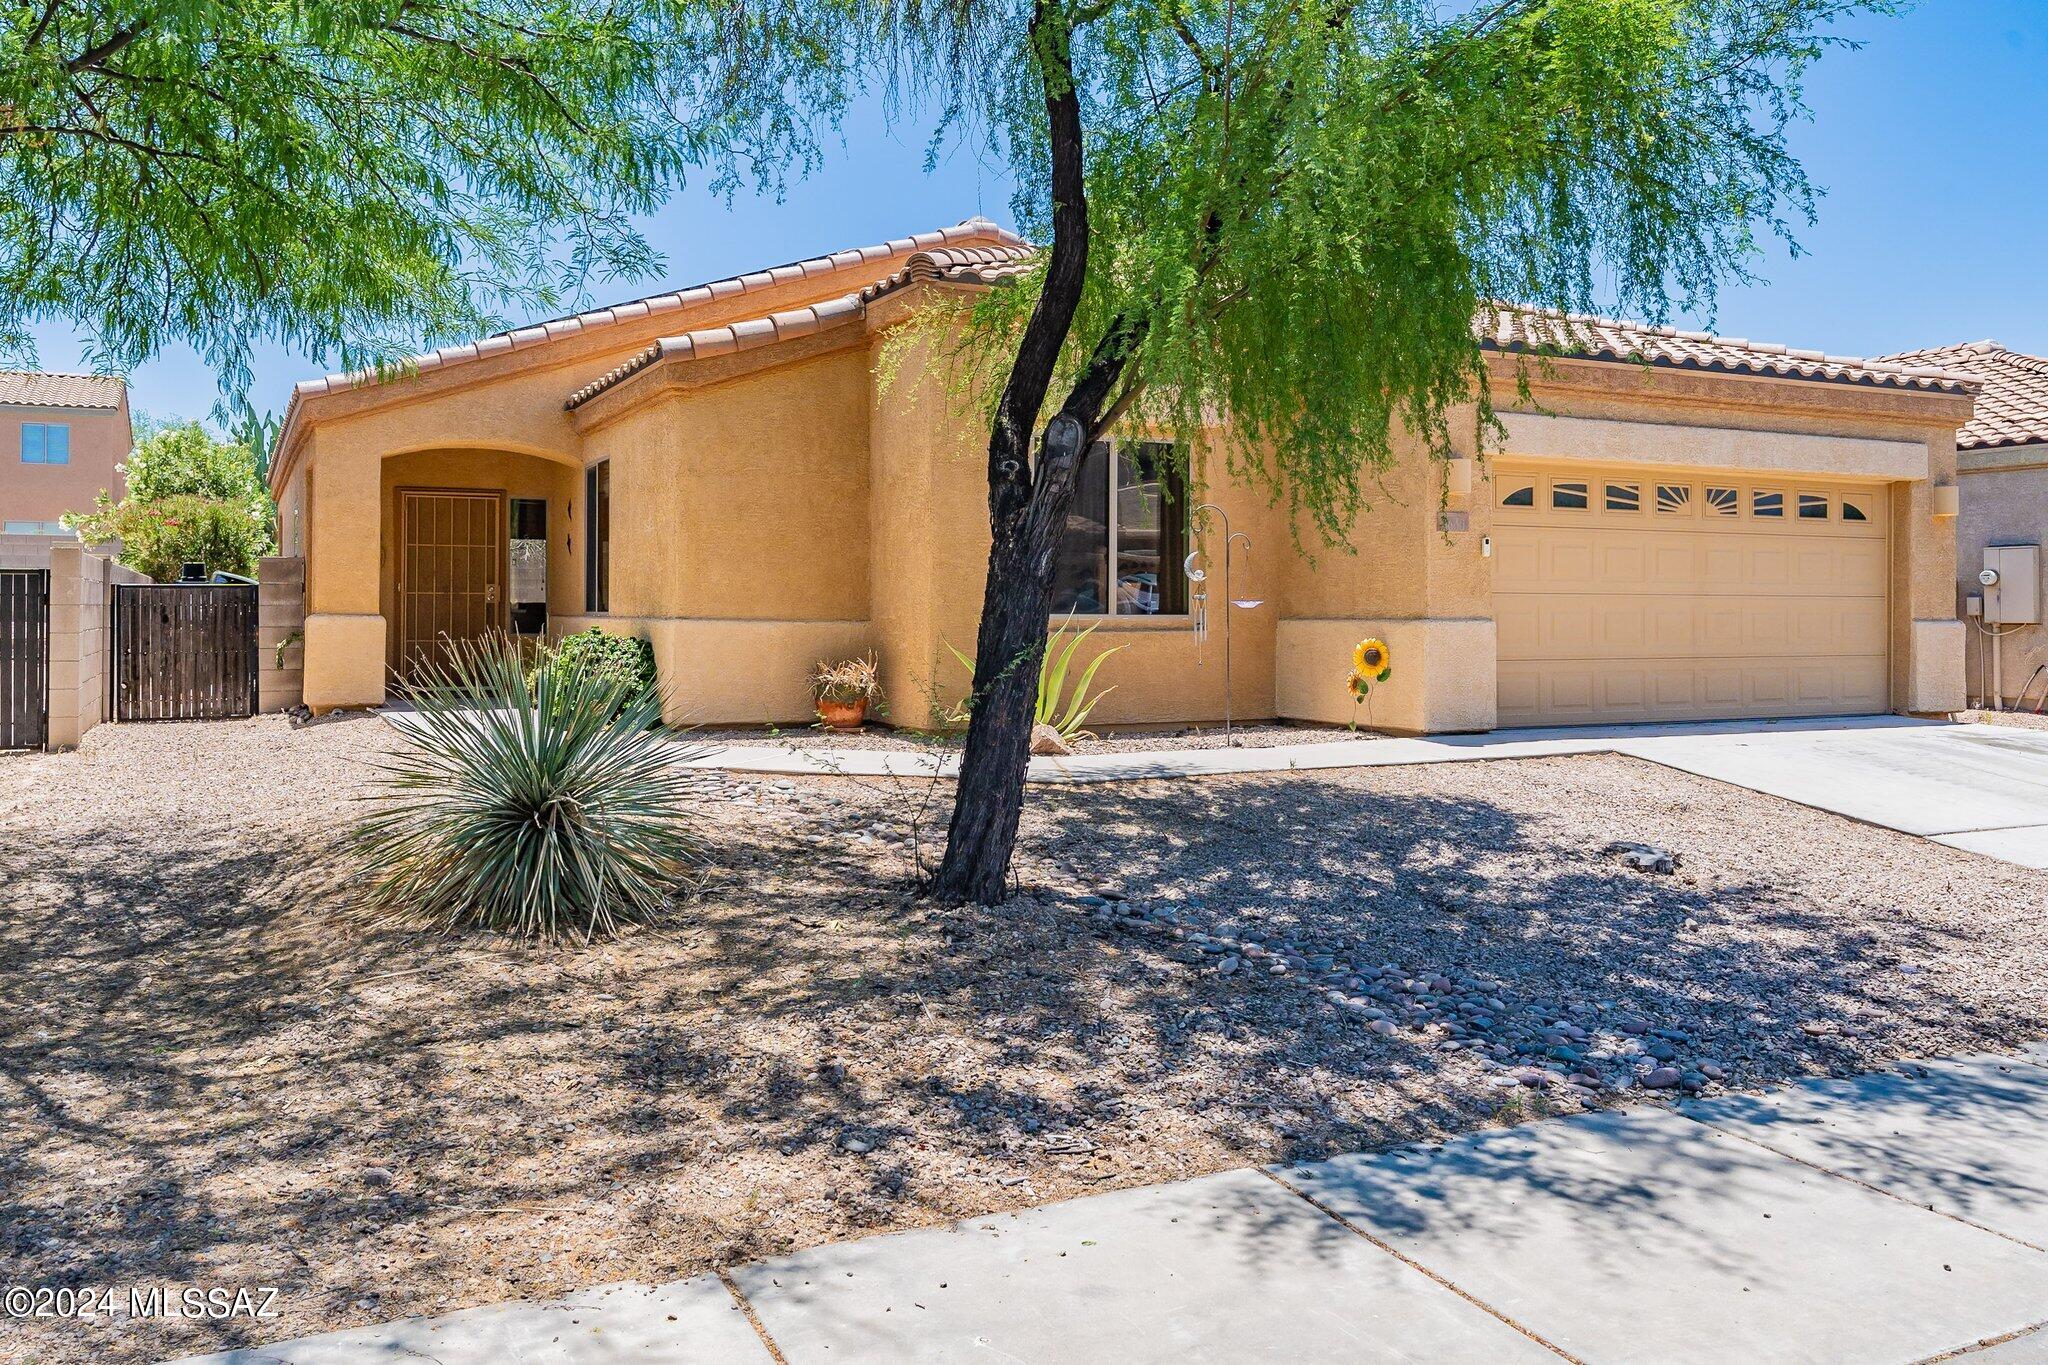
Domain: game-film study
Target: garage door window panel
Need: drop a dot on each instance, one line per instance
(1569, 495)
(1767, 503)
(1723, 501)
(1674, 499)
(1624, 497)
(1813, 507)
(1518, 493)
(1854, 508)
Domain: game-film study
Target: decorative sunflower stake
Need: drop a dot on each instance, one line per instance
(1371, 662)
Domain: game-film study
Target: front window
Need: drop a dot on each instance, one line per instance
(45, 443)
(1128, 564)
(597, 537)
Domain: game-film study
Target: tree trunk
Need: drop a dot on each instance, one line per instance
(1015, 607)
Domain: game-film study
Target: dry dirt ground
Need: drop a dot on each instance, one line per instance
(209, 1076)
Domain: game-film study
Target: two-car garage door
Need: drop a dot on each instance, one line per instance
(1643, 594)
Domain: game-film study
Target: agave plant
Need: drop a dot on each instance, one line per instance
(547, 806)
(1066, 712)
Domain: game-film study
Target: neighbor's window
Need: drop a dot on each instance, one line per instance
(597, 537)
(1813, 507)
(1128, 564)
(1520, 495)
(45, 443)
(1853, 510)
(1568, 496)
(1674, 497)
(1764, 503)
(1624, 497)
(1724, 502)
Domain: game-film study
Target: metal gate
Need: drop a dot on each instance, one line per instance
(24, 658)
(184, 651)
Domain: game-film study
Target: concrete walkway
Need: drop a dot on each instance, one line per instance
(1978, 787)
(1888, 1218)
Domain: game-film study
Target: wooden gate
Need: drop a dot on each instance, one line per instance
(184, 651)
(24, 658)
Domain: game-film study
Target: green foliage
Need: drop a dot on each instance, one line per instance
(549, 809)
(180, 457)
(624, 660)
(160, 537)
(348, 177)
(190, 498)
(1066, 712)
(1296, 209)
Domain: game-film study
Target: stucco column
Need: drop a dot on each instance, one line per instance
(1417, 580)
(345, 632)
(1929, 642)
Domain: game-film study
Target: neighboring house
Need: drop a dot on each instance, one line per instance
(2002, 461)
(1682, 527)
(62, 438)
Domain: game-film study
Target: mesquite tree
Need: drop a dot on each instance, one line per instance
(1289, 215)
(353, 177)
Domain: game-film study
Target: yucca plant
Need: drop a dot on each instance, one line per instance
(546, 806)
(1064, 711)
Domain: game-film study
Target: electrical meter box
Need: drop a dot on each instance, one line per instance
(2015, 600)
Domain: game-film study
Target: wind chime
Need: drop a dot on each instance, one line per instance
(1195, 566)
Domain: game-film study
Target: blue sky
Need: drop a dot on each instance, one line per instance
(1932, 141)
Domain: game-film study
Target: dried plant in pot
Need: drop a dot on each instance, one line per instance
(846, 691)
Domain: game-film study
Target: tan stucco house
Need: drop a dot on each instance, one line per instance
(750, 474)
(2002, 468)
(63, 438)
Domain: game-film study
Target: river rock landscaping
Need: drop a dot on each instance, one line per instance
(211, 1074)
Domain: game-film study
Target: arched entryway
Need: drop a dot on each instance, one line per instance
(476, 543)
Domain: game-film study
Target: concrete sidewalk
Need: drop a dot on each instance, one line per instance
(1889, 1218)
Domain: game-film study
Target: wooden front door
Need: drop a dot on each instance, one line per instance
(451, 571)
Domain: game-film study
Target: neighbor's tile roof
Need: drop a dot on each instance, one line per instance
(542, 332)
(957, 265)
(2012, 407)
(29, 389)
(1594, 338)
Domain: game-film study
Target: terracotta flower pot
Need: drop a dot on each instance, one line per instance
(843, 715)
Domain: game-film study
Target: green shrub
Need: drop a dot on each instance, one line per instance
(623, 659)
(159, 537)
(552, 810)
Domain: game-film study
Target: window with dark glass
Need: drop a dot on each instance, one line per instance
(529, 555)
(1674, 498)
(1568, 495)
(1521, 495)
(597, 537)
(1624, 497)
(1126, 534)
(1725, 502)
(1764, 503)
(1813, 507)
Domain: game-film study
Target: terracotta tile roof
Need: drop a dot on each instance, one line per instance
(541, 332)
(1582, 336)
(30, 389)
(957, 265)
(2012, 407)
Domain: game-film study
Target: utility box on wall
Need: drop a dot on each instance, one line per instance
(2013, 598)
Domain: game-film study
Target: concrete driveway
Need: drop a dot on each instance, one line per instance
(1983, 788)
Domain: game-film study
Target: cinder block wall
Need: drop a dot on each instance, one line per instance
(280, 632)
(81, 592)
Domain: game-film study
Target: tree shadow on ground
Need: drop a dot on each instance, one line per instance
(208, 1067)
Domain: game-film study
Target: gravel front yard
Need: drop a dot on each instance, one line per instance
(209, 1077)
(1265, 735)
